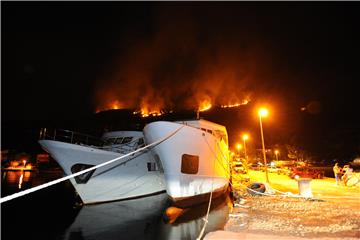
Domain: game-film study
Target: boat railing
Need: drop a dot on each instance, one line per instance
(70, 137)
(126, 147)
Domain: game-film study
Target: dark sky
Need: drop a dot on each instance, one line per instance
(66, 59)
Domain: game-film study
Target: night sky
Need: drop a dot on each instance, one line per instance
(65, 60)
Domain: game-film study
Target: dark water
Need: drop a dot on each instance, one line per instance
(52, 213)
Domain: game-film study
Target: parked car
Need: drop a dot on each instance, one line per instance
(305, 172)
(284, 171)
(239, 168)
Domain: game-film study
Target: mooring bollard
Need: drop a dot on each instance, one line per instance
(305, 187)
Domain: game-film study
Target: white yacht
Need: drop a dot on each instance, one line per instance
(195, 161)
(132, 177)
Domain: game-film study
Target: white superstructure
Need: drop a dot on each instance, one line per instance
(195, 160)
(131, 177)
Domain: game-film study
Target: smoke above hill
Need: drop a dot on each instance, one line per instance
(183, 62)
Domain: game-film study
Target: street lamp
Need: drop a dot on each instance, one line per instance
(276, 154)
(239, 147)
(245, 137)
(263, 112)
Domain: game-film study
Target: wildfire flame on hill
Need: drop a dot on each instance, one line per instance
(168, 69)
(147, 111)
(205, 105)
(244, 102)
(111, 105)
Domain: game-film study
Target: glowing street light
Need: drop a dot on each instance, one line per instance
(263, 112)
(276, 154)
(238, 147)
(245, 137)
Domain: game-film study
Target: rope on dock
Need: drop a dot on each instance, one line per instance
(45, 185)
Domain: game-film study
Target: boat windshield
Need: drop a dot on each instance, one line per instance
(117, 140)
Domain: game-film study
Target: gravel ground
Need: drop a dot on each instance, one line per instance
(289, 217)
(304, 218)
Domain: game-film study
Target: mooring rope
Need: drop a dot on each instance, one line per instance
(206, 219)
(45, 185)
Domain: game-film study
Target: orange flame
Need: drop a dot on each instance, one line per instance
(205, 105)
(244, 102)
(115, 104)
(149, 109)
(145, 112)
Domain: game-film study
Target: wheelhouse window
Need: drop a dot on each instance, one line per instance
(189, 164)
(126, 140)
(118, 140)
(140, 142)
(109, 141)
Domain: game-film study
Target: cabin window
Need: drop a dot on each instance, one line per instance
(118, 140)
(126, 140)
(140, 142)
(189, 164)
(109, 141)
(83, 178)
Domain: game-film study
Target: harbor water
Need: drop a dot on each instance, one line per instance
(54, 213)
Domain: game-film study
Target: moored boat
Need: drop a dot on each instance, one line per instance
(135, 176)
(195, 160)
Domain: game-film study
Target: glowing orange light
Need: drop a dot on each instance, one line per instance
(146, 112)
(205, 105)
(263, 112)
(239, 146)
(29, 166)
(111, 105)
(245, 137)
(115, 105)
(21, 180)
(244, 102)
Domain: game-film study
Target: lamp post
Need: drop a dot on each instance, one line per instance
(263, 112)
(245, 137)
(276, 154)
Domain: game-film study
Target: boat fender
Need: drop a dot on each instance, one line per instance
(256, 189)
(172, 213)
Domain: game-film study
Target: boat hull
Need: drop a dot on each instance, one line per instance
(124, 179)
(195, 162)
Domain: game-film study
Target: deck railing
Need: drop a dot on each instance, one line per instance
(70, 137)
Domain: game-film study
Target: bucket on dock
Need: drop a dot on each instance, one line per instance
(305, 187)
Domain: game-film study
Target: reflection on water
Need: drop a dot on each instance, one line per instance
(189, 225)
(132, 219)
(51, 214)
(142, 219)
(16, 180)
